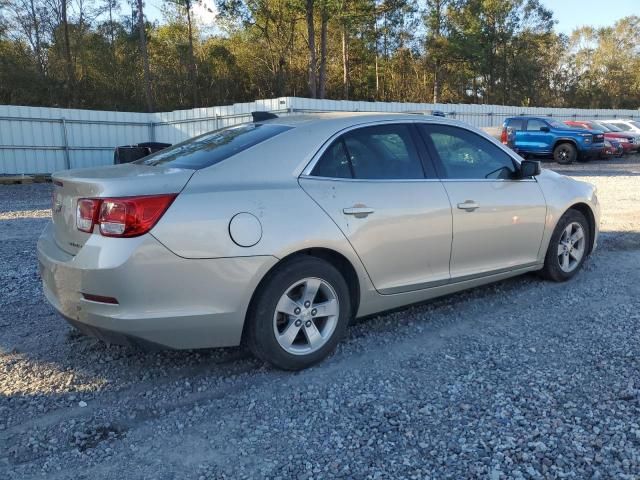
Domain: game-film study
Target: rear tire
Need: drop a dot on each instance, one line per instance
(568, 247)
(286, 316)
(565, 153)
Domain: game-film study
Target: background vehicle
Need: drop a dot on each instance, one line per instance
(130, 153)
(543, 137)
(628, 141)
(612, 149)
(277, 233)
(630, 126)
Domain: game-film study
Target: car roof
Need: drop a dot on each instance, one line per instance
(341, 120)
(529, 117)
(285, 155)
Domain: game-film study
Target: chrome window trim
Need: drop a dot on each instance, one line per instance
(369, 180)
(414, 180)
(519, 180)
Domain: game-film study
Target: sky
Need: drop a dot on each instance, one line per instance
(571, 14)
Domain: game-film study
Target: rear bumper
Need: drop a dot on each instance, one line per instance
(163, 299)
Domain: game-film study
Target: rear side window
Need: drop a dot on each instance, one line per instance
(516, 124)
(382, 152)
(213, 147)
(334, 162)
(535, 125)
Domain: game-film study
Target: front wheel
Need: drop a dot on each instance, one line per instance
(299, 314)
(568, 247)
(565, 153)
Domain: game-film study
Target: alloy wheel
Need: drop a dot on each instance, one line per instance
(571, 247)
(306, 316)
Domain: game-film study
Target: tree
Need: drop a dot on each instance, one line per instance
(186, 6)
(145, 57)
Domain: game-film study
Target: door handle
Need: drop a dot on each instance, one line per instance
(358, 211)
(469, 206)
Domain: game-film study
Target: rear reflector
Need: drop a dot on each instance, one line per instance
(100, 299)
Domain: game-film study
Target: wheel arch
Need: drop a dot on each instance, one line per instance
(585, 209)
(338, 260)
(560, 141)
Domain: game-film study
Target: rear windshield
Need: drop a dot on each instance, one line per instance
(213, 147)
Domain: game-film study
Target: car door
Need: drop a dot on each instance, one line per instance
(498, 219)
(371, 181)
(537, 139)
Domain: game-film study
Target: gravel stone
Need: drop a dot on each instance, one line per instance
(523, 379)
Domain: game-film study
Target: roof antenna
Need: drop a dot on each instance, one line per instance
(262, 116)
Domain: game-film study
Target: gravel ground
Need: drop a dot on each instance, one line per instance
(521, 379)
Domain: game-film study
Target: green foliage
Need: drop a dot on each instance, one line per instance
(462, 51)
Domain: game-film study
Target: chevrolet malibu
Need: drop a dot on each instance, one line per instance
(277, 233)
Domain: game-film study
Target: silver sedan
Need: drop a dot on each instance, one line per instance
(277, 233)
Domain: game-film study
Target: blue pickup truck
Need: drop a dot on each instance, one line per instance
(535, 136)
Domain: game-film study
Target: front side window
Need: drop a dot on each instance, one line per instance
(213, 147)
(466, 155)
(535, 125)
(381, 152)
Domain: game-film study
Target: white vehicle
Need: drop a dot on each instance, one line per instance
(630, 126)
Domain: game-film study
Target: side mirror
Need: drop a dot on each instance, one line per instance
(545, 129)
(529, 168)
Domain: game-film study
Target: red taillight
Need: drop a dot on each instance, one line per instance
(132, 216)
(126, 216)
(87, 214)
(504, 137)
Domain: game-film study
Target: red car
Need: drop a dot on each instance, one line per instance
(627, 141)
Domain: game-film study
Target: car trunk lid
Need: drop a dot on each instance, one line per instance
(113, 181)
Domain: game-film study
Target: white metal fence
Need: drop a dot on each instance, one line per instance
(44, 140)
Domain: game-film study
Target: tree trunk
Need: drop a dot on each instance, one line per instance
(312, 50)
(436, 82)
(145, 58)
(345, 61)
(38, 41)
(70, 84)
(193, 72)
(324, 21)
(375, 29)
(111, 34)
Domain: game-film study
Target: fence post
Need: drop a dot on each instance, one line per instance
(215, 119)
(152, 132)
(65, 139)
